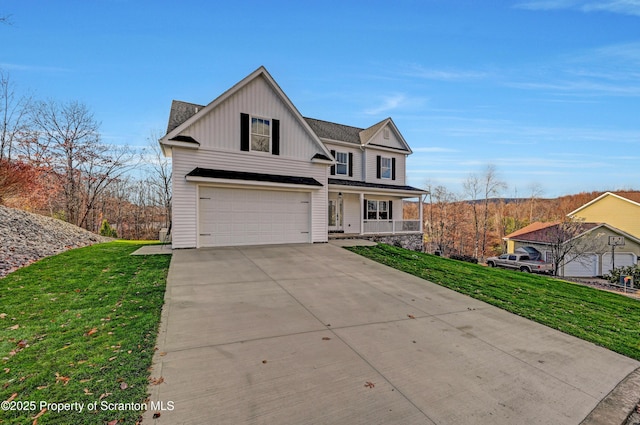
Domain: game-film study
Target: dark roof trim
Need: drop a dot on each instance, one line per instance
(321, 156)
(241, 175)
(354, 183)
(187, 139)
(388, 147)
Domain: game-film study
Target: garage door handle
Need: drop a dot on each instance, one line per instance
(205, 234)
(304, 232)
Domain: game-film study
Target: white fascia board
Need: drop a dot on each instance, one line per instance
(167, 146)
(374, 190)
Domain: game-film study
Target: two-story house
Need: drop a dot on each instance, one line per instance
(249, 169)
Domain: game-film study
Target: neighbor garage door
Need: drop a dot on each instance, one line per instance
(228, 217)
(584, 266)
(622, 259)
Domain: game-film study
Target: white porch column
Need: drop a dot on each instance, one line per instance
(420, 213)
(361, 213)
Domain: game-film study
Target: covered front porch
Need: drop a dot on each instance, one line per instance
(360, 209)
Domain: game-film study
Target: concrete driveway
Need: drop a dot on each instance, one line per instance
(314, 334)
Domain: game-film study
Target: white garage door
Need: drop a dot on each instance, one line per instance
(584, 266)
(228, 217)
(622, 259)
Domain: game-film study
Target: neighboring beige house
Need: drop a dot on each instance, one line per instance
(249, 169)
(609, 219)
(621, 210)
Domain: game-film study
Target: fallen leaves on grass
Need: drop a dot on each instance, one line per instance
(35, 418)
(92, 331)
(60, 378)
(13, 396)
(14, 327)
(123, 385)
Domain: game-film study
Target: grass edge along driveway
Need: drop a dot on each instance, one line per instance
(79, 330)
(606, 319)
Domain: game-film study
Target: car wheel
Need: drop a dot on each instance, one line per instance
(525, 270)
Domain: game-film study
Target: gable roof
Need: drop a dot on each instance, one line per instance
(533, 227)
(627, 198)
(184, 109)
(356, 135)
(550, 234)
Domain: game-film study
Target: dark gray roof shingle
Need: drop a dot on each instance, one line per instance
(333, 131)
(180, 112)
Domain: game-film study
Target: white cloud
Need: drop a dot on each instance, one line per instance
(434, 149)
(625, 7)
(443, 75)
(393, 102)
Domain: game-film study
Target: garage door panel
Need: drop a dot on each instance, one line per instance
(585, 266)
(230, 217)
(622, 259)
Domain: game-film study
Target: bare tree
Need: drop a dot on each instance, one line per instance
(472, 188)
(535, 191)
(159, 175)
(13, 116)
(567, 246)
(491, 186)
(70, 133)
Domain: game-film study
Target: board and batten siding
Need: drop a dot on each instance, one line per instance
(185, 198)
(391, 142)
(371, 167)
(220, 128)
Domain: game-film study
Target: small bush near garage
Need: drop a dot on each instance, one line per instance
(465, 258)
(621, 272)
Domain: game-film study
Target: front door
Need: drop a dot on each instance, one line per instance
(335, 215)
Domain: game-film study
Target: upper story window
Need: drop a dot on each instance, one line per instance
(260, 134)
(342, 163)
(385, 167)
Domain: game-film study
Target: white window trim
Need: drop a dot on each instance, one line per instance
(251, 133)
(383, 159)
(345, 163)
(378, 210)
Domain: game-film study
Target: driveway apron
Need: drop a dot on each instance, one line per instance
(314, 334)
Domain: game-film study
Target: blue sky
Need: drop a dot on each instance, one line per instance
(546, 90)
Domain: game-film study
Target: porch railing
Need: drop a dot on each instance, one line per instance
(391, 226)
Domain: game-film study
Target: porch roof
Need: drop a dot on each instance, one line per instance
(377, 187)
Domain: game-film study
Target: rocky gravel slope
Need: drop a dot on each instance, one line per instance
(27, 237)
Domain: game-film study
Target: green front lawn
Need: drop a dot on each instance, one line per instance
(604, 318)
(80, 328)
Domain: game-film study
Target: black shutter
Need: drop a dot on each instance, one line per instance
(393, 168)
(364, 212)
(333, 167)
(390, 210)
(378, 166)
(244, 132)
(350, 164)
(275, 135)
